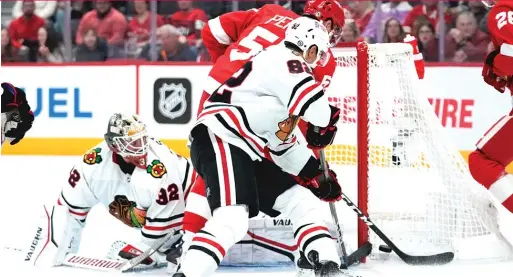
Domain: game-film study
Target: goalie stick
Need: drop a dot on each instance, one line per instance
(105, 264)
(436, 259)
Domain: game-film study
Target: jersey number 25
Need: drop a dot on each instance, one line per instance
(255, 41)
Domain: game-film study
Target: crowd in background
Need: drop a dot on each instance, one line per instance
(35, 31)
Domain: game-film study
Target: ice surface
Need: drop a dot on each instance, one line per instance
(26, 182)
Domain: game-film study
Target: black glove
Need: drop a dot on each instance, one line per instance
(319, 138)
(14, 100)
(327, 189)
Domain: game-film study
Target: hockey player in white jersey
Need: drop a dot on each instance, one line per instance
(139, 179)
(229, 141)
(17, 117)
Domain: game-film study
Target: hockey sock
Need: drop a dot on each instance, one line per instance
(227, 226)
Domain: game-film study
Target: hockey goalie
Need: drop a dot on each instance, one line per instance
(17, 117)
(141, 182)
(494, 151)
(258, 108)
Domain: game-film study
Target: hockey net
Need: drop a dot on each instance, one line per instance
(412, 182)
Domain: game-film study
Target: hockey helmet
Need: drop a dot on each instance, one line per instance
(126, 136)
(303, 33)
(327, 10)
(489, 3)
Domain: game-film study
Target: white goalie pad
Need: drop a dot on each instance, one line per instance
(269, 242)
(57, 234)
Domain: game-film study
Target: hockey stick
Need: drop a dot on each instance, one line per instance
(73, 260)
(340, 239)
(436, 259)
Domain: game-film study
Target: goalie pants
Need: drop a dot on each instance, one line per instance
(231, 177)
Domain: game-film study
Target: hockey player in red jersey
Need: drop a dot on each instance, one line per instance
(494, 151)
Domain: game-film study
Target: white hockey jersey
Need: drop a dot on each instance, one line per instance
(152, 199)
(260, 105)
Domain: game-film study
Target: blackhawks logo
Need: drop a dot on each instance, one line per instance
(93, 156)
(127, 212)
(156, 169)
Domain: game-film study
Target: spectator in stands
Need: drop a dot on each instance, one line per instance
(140, 25)
(393, 9)
(393, 31)
(77, 11)
(427, 41)
(480, 12)
(43, 9)
(12, 51)
(109, 24)
(361, 13)
(170, 48)
(466, 42)
(429, 10)
(23, 30)
(189, 21)
(50, 49)
(93, 49)
(350, 32)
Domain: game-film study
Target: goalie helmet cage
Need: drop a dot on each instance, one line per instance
(411, 181)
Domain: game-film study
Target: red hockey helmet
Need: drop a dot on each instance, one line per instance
(327, 10)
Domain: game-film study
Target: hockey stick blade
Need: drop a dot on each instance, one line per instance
(360, 253)
(436, 259)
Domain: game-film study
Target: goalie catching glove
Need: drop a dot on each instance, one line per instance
(19, 117)
(319, 138)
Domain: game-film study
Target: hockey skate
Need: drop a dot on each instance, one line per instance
(324, 268)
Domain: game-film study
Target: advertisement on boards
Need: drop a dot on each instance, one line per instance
(71, 104)
(172, 102)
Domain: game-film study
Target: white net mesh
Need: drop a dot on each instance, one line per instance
(420, 192)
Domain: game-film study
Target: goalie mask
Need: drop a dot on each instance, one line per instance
(303, 33)
(126, 136)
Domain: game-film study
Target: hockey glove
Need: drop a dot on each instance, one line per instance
(490, 77)
(14, 100)
(326, 189)
(319, 138)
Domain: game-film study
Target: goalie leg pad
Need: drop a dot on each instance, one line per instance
(227, 226)
(310, 231)
(58, 234)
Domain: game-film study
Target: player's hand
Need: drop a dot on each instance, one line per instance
(319, 138)
(493, 80)
(326, 189)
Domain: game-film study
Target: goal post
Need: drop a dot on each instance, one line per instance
(409, 177)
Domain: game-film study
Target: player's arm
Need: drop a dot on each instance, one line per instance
(499, 63)
(221, 31)
(165, 214)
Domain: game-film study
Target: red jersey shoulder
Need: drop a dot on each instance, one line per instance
(274, 18)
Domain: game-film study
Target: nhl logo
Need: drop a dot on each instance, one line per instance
(172, 102)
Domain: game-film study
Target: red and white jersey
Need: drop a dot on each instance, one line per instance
(500, 26)
(260, 105)
(152, 199)
(232, 38)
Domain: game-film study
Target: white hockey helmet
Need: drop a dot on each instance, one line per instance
(126, 136)
(304, 32)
